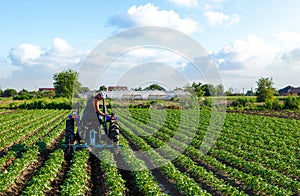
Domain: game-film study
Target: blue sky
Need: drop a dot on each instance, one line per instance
(246, 39)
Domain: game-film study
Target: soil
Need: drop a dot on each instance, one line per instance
(97, 186)
(20, 183)
(165, 185)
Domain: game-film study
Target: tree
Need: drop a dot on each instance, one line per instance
(250, 93)
(198, 88)
(265, 90)
(137, 89)
(23, 92)
(46, 93)
(9, 92)
(220, 90)
(155, 87)
(102, 88)
(66, 83)
(84, 89)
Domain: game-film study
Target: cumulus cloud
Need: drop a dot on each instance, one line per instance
(244, 61)
(221, 19)
(252, 54)
(150, 15)
(59, 55)
(289, 60)
(185, 3)
(289, 39)
(28, 63)
(6, 69)
(25, 54)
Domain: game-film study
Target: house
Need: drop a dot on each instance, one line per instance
(46, 89)
(289, 90)
(117, 88)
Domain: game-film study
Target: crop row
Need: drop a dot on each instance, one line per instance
(288, 182)
(181, 181)
(113, 179)
(41, 182)
(182, 161)
(14, 136)
(77, 177)
(19, 119)
(143, 178)
(271, 176)
(51, 130)
(30, 156)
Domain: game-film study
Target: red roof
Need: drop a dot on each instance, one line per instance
(46, 89)
(117, 88)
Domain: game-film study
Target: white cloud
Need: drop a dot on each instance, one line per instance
(25, 54)
(221, 19)
(252, 54)
(60, 46)
(150, 15)
(211, 4)
(58, 56)
(6, 69)
(185, 3)
(28, 65)
(243, 62)
(289, 39)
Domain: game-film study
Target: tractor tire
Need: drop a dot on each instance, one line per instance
(69, 135)
(114, 132)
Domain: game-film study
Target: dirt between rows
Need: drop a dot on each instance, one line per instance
(165, 184)
(20, 183)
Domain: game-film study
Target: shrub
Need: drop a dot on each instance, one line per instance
(23, 97)
(60, 103)
(273, 104)
(242, 102)
(292, 102)
(208, 102)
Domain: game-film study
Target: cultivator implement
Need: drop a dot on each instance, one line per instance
(91, 135)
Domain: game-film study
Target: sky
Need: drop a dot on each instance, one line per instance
(246, 40)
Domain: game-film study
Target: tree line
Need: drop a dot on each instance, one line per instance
(66, 85)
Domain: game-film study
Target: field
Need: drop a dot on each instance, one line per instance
(254, 155)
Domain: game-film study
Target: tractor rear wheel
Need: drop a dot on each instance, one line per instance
(114, 132)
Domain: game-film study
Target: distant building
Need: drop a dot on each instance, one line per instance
(117, 88)
(46, 89)
(289, 90)
(148, 95)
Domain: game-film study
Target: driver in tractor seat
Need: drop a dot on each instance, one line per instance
(92, 111)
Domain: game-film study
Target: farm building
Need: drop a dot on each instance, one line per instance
(117, 88)
(147, 95)
(157, 95)
(132, 95)
(46, 89)
(289, 90)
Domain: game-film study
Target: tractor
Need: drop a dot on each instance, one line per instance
(94, 135)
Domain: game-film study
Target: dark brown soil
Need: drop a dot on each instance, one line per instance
(97, 186)
(166, 186)
(20, 183)
(60, 177)
(127, 176)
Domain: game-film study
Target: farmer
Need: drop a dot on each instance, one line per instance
(92, 110)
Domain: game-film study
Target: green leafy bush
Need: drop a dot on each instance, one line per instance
(292, 102)
(273, 104)
(59, 103)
